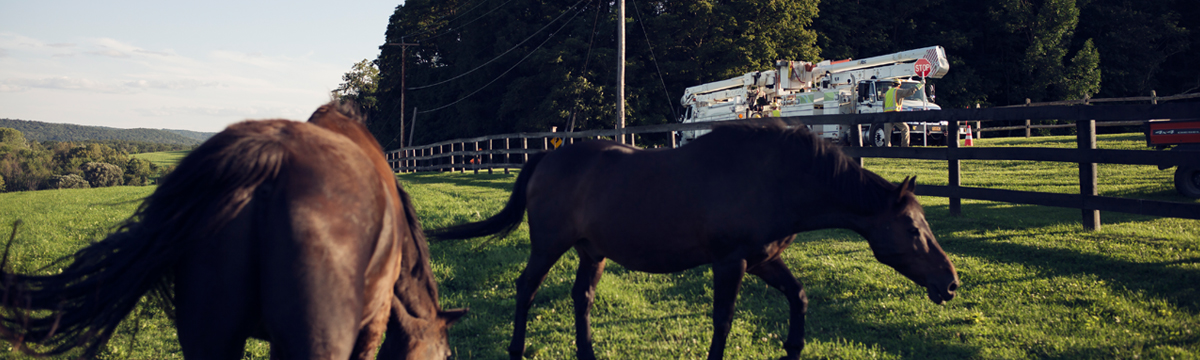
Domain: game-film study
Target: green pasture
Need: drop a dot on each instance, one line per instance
(1035, 284)
(163, 158)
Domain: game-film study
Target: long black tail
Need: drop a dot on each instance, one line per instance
(504, 222)
(82, 305)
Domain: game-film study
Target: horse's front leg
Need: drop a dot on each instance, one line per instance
(527, 285)
(584, 294)
(727, 281)
(775, 273)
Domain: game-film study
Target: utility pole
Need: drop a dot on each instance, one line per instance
(403, 63)
(621, 69)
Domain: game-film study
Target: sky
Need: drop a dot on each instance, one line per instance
(197, 65)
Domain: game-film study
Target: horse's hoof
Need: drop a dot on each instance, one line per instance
(793, 353)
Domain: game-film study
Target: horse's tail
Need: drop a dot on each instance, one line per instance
(504, 222)
(81, 305)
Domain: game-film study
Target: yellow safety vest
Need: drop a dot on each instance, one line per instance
(889, 101)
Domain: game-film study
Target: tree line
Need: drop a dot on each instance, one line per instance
(488, 66)
(36, 165)
(142, 138)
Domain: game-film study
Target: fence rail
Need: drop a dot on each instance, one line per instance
(511, 150)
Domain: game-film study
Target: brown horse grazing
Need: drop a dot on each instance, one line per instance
(734, 198)
(296, 233)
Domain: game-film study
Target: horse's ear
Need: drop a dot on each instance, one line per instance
(907, 186)
(451, 316)
(910, 183)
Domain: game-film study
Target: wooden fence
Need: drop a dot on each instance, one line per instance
(1153, 99)
(510, 151)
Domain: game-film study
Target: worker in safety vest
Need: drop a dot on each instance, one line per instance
(893, 101)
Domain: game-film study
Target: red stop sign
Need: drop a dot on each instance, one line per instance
(922, 67)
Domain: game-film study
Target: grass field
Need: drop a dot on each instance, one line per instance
(163, 158)
(1035, 284)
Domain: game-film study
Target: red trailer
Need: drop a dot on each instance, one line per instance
(1179, 136)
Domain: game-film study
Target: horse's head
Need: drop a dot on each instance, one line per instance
(900, 238)
(423, 338)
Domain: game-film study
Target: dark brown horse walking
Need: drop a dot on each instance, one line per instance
(296, 233)
(734, 198)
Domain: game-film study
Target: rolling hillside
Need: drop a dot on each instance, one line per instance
(42, 131)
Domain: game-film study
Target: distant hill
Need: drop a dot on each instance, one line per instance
(201, 136)
(43, 131)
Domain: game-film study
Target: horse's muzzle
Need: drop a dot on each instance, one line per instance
(941, 288)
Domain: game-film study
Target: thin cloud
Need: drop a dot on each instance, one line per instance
(233, 112)
(109, 53)
(179, 84)
(58, 83)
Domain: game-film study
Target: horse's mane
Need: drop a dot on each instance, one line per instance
(416, 263)
(805, 153)
(348, 108)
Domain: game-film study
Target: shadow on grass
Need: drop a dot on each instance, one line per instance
(1156, 279)
(498, 180)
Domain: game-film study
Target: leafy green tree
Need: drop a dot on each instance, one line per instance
(69, 181)
(1138, 40)
(26, 169)
(1, 183)
(1085, 72)
(561, 70)
(360, 85)
(102, 174)
(68, 157)
(12, 138)
(138, 172)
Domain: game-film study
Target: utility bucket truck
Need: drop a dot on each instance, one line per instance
(800, 88)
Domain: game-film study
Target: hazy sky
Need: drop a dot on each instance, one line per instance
(179, 65)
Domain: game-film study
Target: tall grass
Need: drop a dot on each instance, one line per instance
(1035, 283)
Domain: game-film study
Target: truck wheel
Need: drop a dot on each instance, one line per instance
(1187, 181)
(879, 135)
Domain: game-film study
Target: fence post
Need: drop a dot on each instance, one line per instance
(856, 140)
(1153, 98)
(491, 155)
(1086, 135)
(1027, 124)
(462, 159)
(478, 160)
(673, 143)
(507, 156)
(438, 160)
(955, 171)
(524, 148)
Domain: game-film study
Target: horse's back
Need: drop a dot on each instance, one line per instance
(291, 265)
(611, 197)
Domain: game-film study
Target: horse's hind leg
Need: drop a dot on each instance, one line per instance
(215, 294)
(777, 274)
(540, 262)
(584, 293)
(727, 280)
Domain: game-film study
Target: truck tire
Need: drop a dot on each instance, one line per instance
(1187, 181)
(878, 135)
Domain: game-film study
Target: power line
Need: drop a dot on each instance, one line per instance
(655, 61)
(457, 17)
(560, 28)
(505, 52)
(453, 29)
